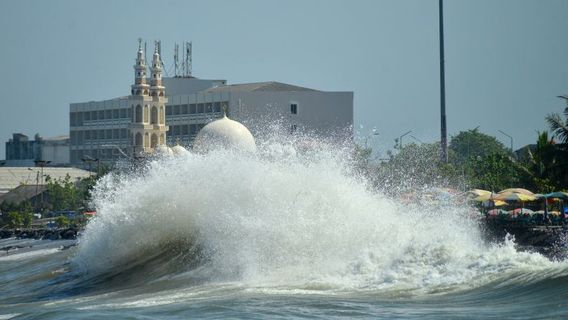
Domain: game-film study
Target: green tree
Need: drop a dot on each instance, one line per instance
(472, 143)
(27, 218)
(415, 166)
(62, 221)
(559, 129)
(541, 165)
(62, 193)
(558, 126)
(493, 172)
(14, 219)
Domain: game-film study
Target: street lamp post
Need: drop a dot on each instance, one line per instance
(443, 128)
(89, 161)
(413, 137)
(402, 136)
(41, 164)
(511, 138)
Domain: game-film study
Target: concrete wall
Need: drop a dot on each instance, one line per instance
(325, 113)
(58, 154)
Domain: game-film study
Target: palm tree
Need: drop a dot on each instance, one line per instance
(558, 126)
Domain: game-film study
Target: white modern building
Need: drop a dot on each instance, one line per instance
(173, 110)
(23, 152)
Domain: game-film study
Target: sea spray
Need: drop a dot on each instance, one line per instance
(287, 217)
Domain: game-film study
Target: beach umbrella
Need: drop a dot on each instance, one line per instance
(474, 193)
(517, 190)
(523, 211)
(485, 197)
(557, 195)
(499, 203)
(510, 196)
(494, 203)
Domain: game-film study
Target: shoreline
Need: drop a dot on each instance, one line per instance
(40, 233)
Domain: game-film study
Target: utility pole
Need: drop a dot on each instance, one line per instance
(41, 164)
(444, 133)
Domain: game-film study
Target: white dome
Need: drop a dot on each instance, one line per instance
(178, 150)
(224, 133)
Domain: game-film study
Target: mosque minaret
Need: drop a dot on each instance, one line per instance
(148, 102)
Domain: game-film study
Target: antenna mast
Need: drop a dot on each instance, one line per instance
(176, 59)
(188, 58)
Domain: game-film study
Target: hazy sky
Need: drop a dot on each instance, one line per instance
(506, 61)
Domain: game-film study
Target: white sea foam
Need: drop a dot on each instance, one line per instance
(22, 255)
(290, 219)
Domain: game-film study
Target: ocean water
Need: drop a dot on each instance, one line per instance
(287, 233)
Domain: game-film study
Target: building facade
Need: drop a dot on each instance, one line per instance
(23, 152)
(172, 111)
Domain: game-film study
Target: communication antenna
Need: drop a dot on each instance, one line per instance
(189, 58)
(183, 64)
(159, 46)
(176, 59)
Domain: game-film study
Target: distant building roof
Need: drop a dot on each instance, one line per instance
(259, 86)
(22, 193)
(58, 138)
(12, 177)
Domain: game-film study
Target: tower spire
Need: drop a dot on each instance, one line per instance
(156, 88)
(140, 87)
(148, 103)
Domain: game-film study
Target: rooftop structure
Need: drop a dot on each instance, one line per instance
(112, 129)
(21, 151)
(13, 177)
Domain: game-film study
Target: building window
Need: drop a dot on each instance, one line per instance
(294, 108)
(200, 108)
(94, 115)
(154, 115)
(79, 137)
(138, 141)
(79, 118)
(108, 114)
(146, 116)
(115, 113)
(217, 107)
(184, 130)
(138, 113)
(192, 108)
(101, 114)
(87, 116)
(72, 119)
(123, 113)
(176, 109)
(184, 109)
(154, 141)
(168, 110)
(209, 108)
